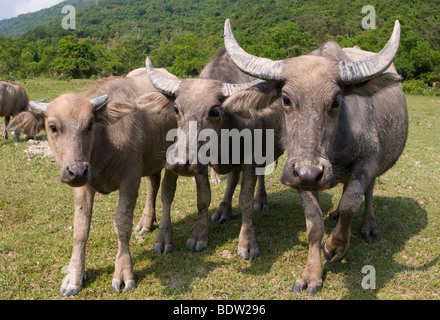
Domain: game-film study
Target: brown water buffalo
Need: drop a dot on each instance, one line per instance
(13, 100)
(212, 107)
(104, 141)
(346, 121)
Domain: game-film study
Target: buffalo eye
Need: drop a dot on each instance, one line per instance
(286, 101)
(335, 104)
(214, 113)
(176, 110)
(52, 128)
(91, 124)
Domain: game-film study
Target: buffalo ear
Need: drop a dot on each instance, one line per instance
(373, 86)
(156, 102)
(113, 111)
(255, 101)
(27, 122)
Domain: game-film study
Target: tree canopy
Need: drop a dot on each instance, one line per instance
(113, 37)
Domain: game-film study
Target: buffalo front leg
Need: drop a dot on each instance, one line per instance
(369, 225)
(83, 203)
(198, 240)
(149, 216)
(311, 277)
(164, 239)
(337, 244)
(123, 225)
(247, 244)
(223, 212)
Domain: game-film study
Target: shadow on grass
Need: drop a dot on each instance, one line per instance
(282, 231)
(399, 219)
(276, 232)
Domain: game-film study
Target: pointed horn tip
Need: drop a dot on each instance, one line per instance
(37, 105)
(148, 61)
(227, 28)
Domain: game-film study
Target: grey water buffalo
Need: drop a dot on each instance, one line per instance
(221, 68)
(346, 122)
(205, 109)
(13, 100)
(104, 141)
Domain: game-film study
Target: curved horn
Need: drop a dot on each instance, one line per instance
(257, 67)
(97, 102)
(229, 89)
(164, 85)
(359, 71)
(40, 106)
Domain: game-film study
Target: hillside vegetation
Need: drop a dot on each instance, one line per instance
(115, 36)
(18, 26)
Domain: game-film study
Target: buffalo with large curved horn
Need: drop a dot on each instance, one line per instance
(346, 122)
(350, 72)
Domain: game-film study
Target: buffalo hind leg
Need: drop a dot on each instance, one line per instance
(5, 132)
(335, 214)
(198, 240)
(247, 244)
(83, 203)
(164, 239)
(145, 224)
(260, 202)
(369, 225)
(215, 177)
(223, 212)
(311, 277)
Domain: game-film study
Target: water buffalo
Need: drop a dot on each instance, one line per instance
(221, 68)
(13, 100)
(104, 141)
(203, 105)
(346, 122)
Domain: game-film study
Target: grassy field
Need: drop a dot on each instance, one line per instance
(36, 218)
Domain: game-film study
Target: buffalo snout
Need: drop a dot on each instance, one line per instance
(307, 175)
(76, 175)
(187, 168)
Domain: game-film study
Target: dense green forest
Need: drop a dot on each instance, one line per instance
(18, 26)
(113, 37)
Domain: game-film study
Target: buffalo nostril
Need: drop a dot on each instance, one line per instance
(86, 173)
(308, 174)
(78, 171)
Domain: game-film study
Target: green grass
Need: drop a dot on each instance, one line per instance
(36, 218)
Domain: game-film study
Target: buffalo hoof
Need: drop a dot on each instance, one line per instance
(216, 180)
(72, 283)
(334, 216)
(70, 290)
(334, 254)
(194, 245)
(219, 218)
(165, 249)
(377, 237)
(141, 230)
(244, 253)
(261, 207)
(129, 284)
(312, 288)
(222, 214)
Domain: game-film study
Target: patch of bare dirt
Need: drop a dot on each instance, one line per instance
(38, 149)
